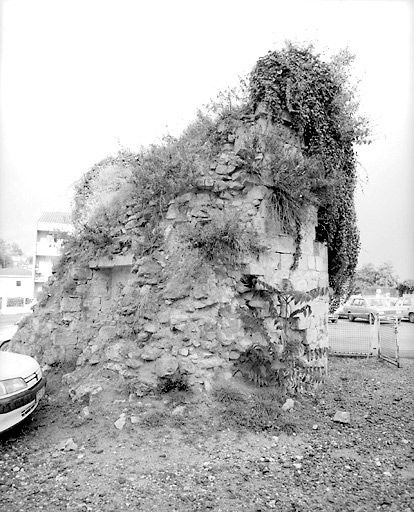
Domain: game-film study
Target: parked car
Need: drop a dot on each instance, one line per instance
(342, 311)
(333, 317)
(406, 304)
(367, 307)
(22, 385)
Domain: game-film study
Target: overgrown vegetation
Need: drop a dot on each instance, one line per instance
(223, 239)
(298, 89)
(294, 180)
(281, 360)
(306, 160)
(314, 97)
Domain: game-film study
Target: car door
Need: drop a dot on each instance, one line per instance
(407, 306)
(354, 309)
(364, 309)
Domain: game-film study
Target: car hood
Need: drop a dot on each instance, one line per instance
(16, 365)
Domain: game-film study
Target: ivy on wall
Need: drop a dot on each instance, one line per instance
(314, 98)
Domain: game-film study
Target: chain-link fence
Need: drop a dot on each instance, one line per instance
(362, 338)
(356, 338)
(388, 348)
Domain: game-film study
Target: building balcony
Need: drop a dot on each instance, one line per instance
(40, 278)
(45, 249)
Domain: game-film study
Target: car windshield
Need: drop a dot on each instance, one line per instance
(378, 302)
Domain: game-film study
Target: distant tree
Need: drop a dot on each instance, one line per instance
(5, 257)
(386, 275)
(368, 276)
(15, 249)
(8, 250)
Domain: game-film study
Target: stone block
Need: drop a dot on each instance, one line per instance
(320, 263)
(113, 352)
(311, 262)
(106, 334)
(173, 212)
(284, 244)
(210, 362)
(164, 316)
(147, 379)
(70, 304)
(81, 273)
(257, 193)
(64, 336)
(286, 261)
(150, 328)
(177, 289)
(243, 343)
(124, 260)
(166, 365)
(177, 318)
(185, 365)
(151, 353)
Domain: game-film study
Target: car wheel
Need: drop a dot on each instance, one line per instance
(351, 318)
(411, 318)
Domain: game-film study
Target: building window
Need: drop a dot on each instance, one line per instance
(18, 283)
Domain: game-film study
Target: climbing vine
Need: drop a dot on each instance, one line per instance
(313, 97)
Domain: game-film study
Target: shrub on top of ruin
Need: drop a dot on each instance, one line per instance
(298, 88)
(314, 97)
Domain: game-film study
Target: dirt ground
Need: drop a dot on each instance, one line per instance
(180, 452)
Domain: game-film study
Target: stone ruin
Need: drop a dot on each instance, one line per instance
(142, 319)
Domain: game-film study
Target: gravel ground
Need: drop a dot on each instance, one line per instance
(180, 452)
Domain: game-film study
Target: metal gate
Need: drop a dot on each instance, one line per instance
(364, 339)
(356, 339)
(388, 348)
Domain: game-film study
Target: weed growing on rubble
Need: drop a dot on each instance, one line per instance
(281, 358)
(223, 239)
(175, 382)
(257, 411)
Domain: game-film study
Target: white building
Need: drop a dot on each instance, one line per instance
(16, 290)
(51, 229)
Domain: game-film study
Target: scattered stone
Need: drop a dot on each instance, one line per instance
(342, 417)
(67, 445)
(120, 422)
(288, 405)
(86, 412)
(178, 411)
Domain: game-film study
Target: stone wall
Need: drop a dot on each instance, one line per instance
(167, 313)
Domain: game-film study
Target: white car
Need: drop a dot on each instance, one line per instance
(22, 385)
(406, 303)
(368, 307)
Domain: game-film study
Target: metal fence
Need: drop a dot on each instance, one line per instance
(356, 338)
(388, 348)
(361, 338)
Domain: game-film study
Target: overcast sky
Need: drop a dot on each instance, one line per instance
(79, 79)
